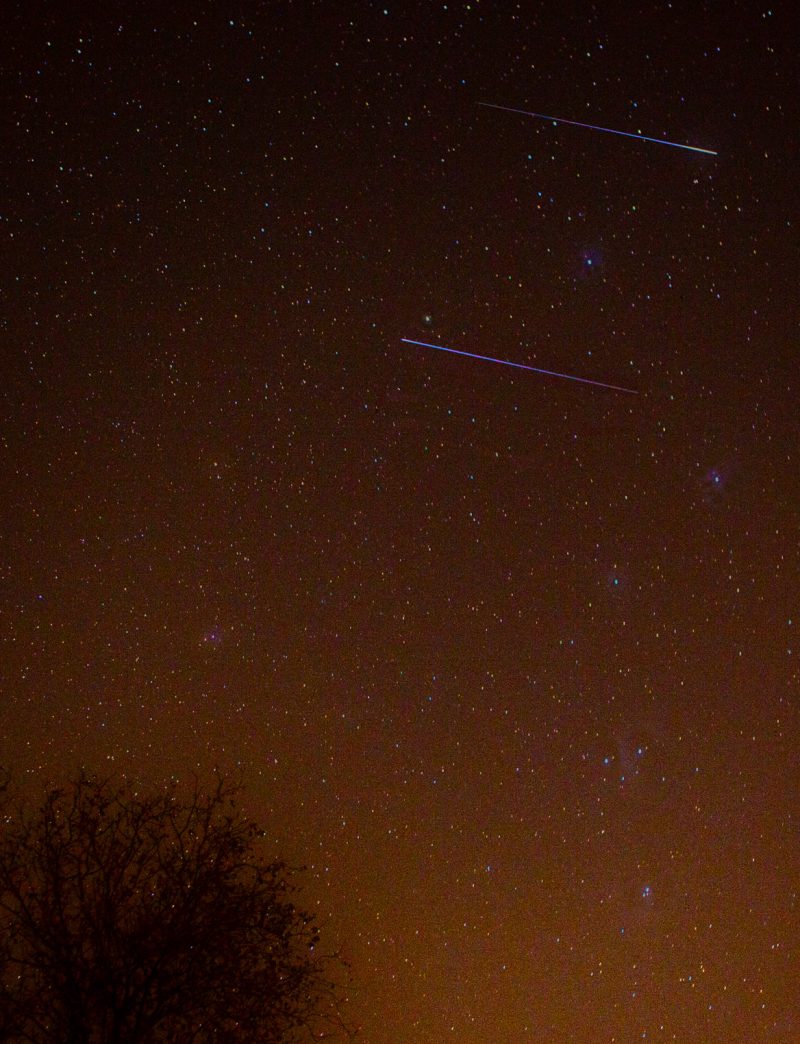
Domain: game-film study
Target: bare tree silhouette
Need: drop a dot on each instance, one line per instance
(130, 915)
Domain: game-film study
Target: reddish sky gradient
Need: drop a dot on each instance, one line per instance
(509, 661)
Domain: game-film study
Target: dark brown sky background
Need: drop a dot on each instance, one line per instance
(509, 661)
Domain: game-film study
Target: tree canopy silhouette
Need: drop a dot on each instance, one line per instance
(131, 915)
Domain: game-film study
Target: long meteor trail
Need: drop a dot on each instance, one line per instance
(593, 126)
(519, 366)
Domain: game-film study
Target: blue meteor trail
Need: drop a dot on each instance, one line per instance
(606, 130)
(520, 366)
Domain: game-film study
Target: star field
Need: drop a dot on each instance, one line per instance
(509, 662)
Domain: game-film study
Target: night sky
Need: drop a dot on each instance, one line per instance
(509, 661)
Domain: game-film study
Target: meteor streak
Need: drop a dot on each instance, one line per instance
(593, 126)
(519, 366)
